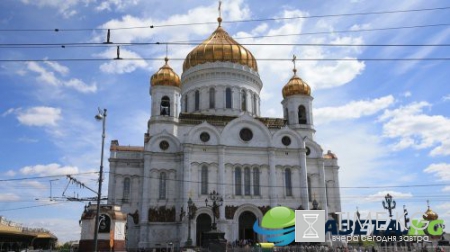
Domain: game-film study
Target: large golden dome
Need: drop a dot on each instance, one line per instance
(165, 76)
(220, 47)
(296, 86)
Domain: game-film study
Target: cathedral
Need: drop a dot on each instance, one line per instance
(206, 137)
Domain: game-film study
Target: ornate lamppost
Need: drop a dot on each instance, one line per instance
(101, 116)
(190, 214)
(390, 204)
(217, 201)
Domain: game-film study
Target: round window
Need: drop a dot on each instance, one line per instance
(308, 151)
(204, 136)
(286, 140)
(246, 134)
(164, 145)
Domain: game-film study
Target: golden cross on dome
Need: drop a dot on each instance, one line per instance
(219, 19)
(294, 58)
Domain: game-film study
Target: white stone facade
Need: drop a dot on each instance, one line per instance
(251, 175)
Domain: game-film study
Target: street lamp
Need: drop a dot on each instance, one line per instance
(214, 196)
(190, 215)
(101, 116)
(390, 204)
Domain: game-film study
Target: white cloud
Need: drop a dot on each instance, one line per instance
(407, 94)
(49, 77)
(10, 173)
(40, 116)
(352, 110)
(441, 171)
(48, 170)
(415, 129)
(8, 197)
(10, 111)
(58, 67)
(446, 189)
(79, 85)
(446, 98)
(44, 75)
(34, 184)
(121, 66)
(110, 5)
(65, 8)
(396, 195)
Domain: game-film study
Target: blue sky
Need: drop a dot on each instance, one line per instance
(387, 121)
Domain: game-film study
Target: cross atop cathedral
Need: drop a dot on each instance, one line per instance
(294, 58)
(219, 19)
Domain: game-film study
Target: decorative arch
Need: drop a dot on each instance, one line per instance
(230, 134)
(316, 149)
(247, 207)
(296, 140)
(153, 144)
(194, 134)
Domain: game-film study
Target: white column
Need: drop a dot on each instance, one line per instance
(322, 188)
(303, 177)
(112, 183)
(221, 180)
(187, 175)
(272, 179)
(337, 190)
(145, 198)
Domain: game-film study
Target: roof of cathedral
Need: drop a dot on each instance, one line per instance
(165, 76)
(296, 86)
(190, 118)
(220, 47)
(126, 148)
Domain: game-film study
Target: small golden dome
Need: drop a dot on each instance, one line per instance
(296, 86)
(430, 215)
(220, 47)
(165, 76)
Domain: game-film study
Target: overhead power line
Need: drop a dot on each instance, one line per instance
(193, 43)
(229, 21)
(42, 177)
(182, 59)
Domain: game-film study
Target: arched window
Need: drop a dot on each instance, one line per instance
(288, 182)
(286, 115)
(162, 185)
(238, 181)
(244, 101)
(204, 180)
(301, 115)
(197, 100)
(228, 98)
(309, 190)
(256, 181)
(212, 98)
(126, 190)
(186, 102)
(247, 186)
(165, 106)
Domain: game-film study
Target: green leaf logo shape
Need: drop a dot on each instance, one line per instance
(278, 217)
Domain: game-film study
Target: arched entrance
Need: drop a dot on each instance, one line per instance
(246, 221)
(203, 225)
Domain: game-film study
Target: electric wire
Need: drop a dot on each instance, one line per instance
(229, 21)
(266, 59)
